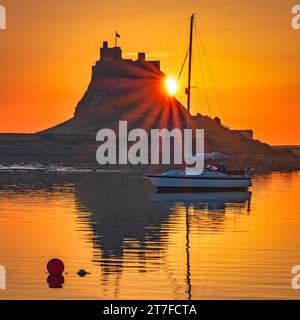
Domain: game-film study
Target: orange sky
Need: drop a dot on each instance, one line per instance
(48, 49)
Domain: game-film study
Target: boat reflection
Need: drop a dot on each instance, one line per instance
(205, 200)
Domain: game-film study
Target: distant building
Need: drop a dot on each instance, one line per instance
(115, 54)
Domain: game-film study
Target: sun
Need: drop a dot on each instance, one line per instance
(171, 85)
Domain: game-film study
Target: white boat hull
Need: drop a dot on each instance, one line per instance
(198, 183)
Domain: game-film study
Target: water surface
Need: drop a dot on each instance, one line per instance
(137, 244)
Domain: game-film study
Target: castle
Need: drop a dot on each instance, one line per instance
(114, 54)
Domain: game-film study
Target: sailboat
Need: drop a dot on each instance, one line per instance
(214, 177)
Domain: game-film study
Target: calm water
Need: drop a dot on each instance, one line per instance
(136, 244)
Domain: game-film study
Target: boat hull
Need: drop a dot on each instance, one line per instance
(199, 184)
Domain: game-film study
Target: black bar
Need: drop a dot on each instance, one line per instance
(146, 309)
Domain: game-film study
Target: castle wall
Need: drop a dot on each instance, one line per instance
(115, 54)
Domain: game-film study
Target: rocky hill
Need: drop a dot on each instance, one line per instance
(123, 89)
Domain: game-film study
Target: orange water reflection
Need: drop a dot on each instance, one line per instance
(136, 244)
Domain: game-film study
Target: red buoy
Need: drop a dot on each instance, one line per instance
(55, 266)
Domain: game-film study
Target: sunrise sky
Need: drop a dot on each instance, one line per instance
(48, 49)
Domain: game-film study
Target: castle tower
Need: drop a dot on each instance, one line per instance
(107, 53)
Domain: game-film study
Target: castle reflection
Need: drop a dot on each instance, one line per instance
(131, 223)
(118, 210)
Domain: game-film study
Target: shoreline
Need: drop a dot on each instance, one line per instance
(79, 152)
(127, 170)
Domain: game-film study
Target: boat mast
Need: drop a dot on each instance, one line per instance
(188, 263)
(190, 63)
